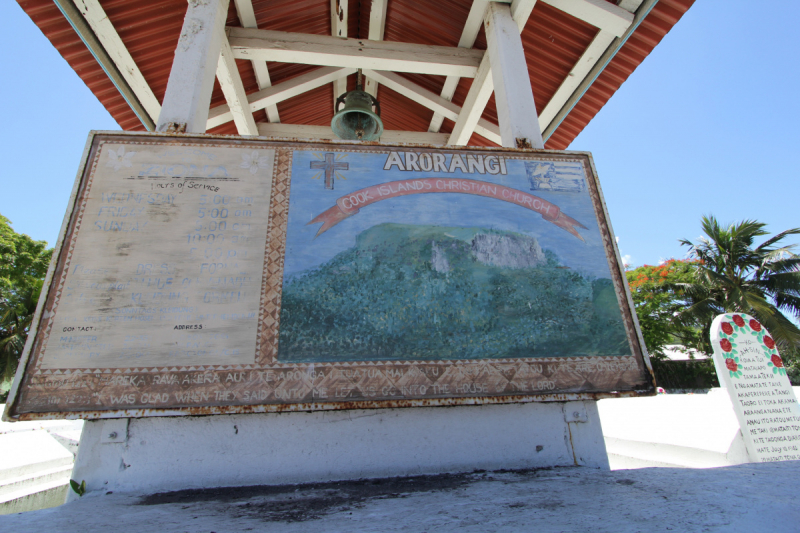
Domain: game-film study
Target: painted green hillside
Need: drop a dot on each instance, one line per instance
(425, 292)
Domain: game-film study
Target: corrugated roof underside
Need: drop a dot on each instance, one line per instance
(553, 42)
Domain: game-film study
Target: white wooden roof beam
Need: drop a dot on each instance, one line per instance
(111, 41)
(582, 67)
(575, 77)
(310, 49)
(598, 13)
(232, 87)
(339, 29)
(377, 27)
(280, 92)
(431, 100)
(520, 11)
(247, 17)
(468, 36)
(295, 131)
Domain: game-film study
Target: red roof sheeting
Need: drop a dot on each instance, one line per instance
(553, 42)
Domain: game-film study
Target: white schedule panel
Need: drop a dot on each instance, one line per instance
(168, 260)
(749, 366)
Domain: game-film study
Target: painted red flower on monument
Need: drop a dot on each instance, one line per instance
(738, 320)
(731, 364)
(769, 342)
(727, 328)
(726, 345)
(755, 325)
(777, 361)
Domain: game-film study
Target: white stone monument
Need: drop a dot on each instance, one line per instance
(751, 369)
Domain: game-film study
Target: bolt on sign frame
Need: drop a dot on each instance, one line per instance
(202, 274)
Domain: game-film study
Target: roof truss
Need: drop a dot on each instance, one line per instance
(380, 60)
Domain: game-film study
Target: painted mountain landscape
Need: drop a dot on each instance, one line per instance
(426, 292)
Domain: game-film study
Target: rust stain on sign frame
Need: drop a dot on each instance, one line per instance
(191, 277)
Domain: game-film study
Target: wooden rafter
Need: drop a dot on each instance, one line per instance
(468, 36)
(598, 13)
(296, 131)
(93, 12)
(247, 17)
(231, 83)
(431, 100)
(358, 53)
(280, 92)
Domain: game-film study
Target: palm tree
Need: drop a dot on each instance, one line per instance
(734, 276)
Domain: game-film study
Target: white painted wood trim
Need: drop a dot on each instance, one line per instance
(93, 12)
(477, 97)
(516, 111)
(358, 53)
(629, 5)
(482, 86)
(280, 92)
(295, 131)
(576, 76)
(431, 100)
(231, 83)
(377, 27)
(247, 17)
(599, 13)
(191, 79)
(339, 15)
(468, 36)
(521, 11)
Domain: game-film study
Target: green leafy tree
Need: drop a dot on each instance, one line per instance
(734, 274)
(658, 294)
(23, 265)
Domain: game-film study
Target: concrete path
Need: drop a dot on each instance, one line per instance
(742, 498)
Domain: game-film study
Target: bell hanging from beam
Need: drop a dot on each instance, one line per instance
(357, 121)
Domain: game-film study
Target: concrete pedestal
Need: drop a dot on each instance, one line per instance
(159, 454)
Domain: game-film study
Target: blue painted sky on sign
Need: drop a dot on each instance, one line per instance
(309, 198)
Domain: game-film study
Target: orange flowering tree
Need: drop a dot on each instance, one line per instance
(659, 297)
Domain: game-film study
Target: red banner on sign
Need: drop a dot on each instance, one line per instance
(348, 205)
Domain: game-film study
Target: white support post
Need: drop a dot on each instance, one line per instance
(194, 67)
(339, 29)
(244, 9)
(516, 111)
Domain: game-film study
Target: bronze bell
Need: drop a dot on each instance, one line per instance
(357, 121)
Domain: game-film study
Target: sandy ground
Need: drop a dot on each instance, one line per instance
(746, 498)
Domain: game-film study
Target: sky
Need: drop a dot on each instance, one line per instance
(705, 126)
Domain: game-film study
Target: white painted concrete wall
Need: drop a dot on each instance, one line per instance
(673, 430)
(175, 453)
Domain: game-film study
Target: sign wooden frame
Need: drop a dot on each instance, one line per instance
(163, 383)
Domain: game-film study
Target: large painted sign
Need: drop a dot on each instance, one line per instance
(750, 368)
(209, 275)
